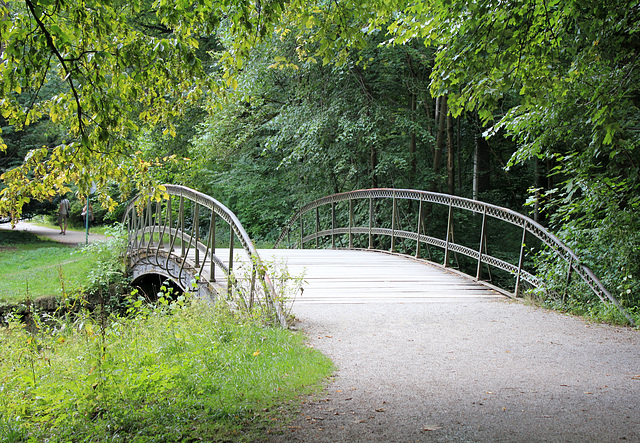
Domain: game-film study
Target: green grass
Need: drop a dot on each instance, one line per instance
(186, 373)
(39, 265)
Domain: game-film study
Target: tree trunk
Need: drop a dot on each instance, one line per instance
(458, 151)
(481, 164)
(451, 178)
(412, 142)
(441, 109)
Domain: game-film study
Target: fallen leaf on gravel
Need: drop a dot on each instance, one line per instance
(635, 377)
(431, 428)
(380, 410)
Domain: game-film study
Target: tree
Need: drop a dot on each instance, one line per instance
(124, 67)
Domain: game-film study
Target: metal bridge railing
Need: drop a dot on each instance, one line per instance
(183, 230)
(412, 222)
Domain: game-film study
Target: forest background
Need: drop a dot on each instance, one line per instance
(265, 105)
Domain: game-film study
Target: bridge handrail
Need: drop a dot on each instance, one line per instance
(485, 209)
(148, 223)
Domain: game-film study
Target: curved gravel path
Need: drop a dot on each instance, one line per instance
(70, 238)
(485, 370)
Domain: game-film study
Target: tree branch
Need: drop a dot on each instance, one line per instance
(62, 60)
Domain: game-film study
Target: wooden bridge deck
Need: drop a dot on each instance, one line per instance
(356, 276)
(346, 276)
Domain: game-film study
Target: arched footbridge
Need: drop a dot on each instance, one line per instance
(357, 247)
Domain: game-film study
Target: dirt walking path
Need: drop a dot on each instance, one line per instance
(71, 237)
(486, 371)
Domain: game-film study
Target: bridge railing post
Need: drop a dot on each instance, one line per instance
(370, 222)
(482, 240)
(350, 223)
(173, 233)
(133, 227)
(161, 225)
(394, 210)
(520, 259)
(333, 225)
(212, 245)
(418, 228)
(448, 239)
(181, 219)
(150, 227)
(231, 240)
(317, 227)
(196, 229)
(170, 224)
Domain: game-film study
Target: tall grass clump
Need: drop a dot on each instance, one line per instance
(179, 370)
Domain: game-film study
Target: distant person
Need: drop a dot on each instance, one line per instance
(87, 214)
(63, 215)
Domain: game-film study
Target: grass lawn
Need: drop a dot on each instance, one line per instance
(33, 267)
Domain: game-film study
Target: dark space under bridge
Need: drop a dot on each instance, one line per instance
(374, 245)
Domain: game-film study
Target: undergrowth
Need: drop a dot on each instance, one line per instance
(180, 370)
(573, 295)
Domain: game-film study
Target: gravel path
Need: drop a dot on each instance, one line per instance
(468, 371)
(70, 238)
